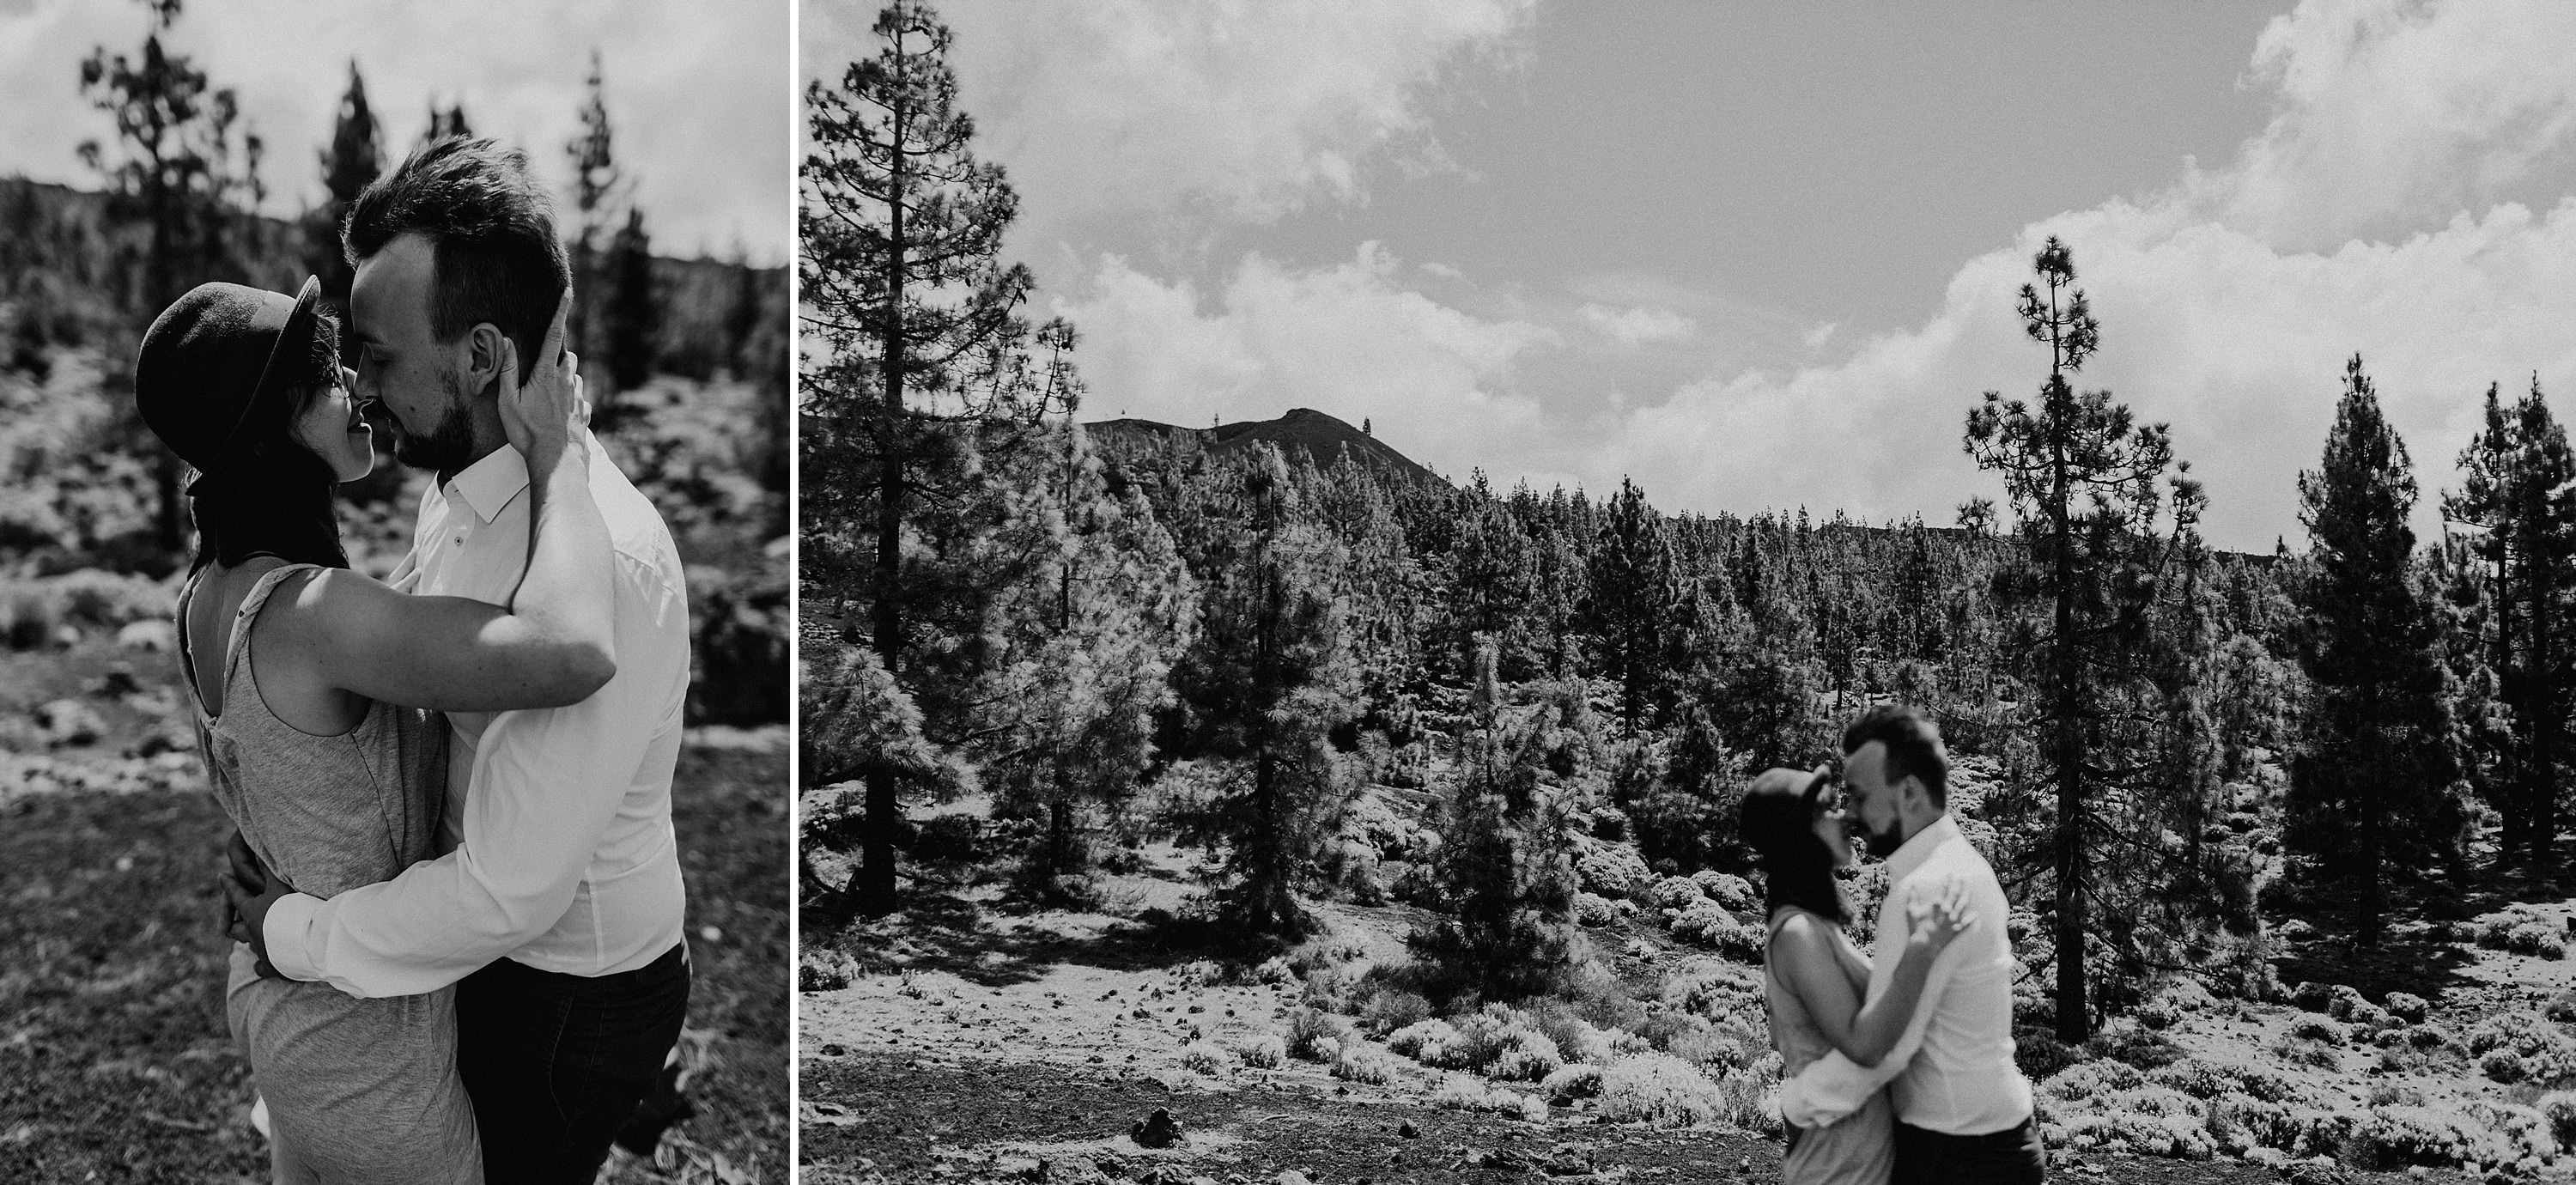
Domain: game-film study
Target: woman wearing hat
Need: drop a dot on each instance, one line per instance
(318, 691)
(1814, 980)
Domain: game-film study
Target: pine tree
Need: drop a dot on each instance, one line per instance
(355, 158)
(2084, 478)
(189, 177)
(1266, 684)
(2520, 489)
(630, 313)
(1505, 868)
(1634, 596)
(917, 376)
(1091, 638)
(2372, 785)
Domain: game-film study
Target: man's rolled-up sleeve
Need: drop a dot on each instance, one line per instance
(545, 785)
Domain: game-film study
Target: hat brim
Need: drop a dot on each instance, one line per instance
(284, 355)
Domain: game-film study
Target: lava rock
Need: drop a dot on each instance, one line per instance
(1158, 1130)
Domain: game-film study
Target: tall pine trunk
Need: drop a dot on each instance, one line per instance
(873, 882)
(2074, 1020)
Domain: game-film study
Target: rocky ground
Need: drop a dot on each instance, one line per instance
(969, 1039)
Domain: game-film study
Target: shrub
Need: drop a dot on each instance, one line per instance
(2558, 1108)
(1458, 1092)
(1359, 1061)
(823, 969)
(2408, 1007)
(1660, 1090)
(1576, 1038)
(1723, 1046)
(2093, 1078)
(2561, 1007)
(1726, 889)
(2307, 1053)
(1529, 1057)
(2433, 1037)
(1267, 1051)
(2503, 1065)
(1424, 1041)
(1706, 923)
(2039, 1054)
(1315, 1035)
(1390, 1008)
(1674, 892)
(2317, 1029)
(2536, 938)
(2396, 1136)
(1575, 1080)
(1611, 870)
(1205, 1057)
(1594, 910)
(2546, 1051)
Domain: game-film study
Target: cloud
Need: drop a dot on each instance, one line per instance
(700, 107)
(2239, 345)
(1244, 108)
(1348, 340)
(2391, 112)
(2363, 219)
(1636, 326)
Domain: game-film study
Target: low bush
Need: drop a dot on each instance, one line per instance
(1386, 1009)
(1574, 1080)
(1706, 923)
(1359, 1061)
(1674, 892)
(1206, 1057)
(2503, 1065)
(2407, 1007)
(1528, 1057)
(823, 969)
(1612, 870)
(2312, 1028)
(1726, 888)
(2558, 1110)
(2313, 1054)
(1265, 1052)
(2546, 1052)
(1660, 1090)
(1594, 910)
(1459, 1092)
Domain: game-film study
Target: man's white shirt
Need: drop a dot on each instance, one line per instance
(555, 847)
(1952, 1070)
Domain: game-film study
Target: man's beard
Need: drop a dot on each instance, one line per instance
(447, 447)
(1882, 844)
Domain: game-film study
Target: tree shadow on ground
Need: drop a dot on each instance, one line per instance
(989, 946)
(2413, 956)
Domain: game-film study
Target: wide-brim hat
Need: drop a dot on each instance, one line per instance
(1779, 806)
(219, 359)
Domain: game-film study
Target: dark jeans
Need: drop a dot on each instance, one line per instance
(555, 1063)
(2007, 1157)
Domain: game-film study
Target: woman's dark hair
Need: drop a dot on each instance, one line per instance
(1777, 819)
(274, 496)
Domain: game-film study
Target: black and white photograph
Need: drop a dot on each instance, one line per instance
(394, 591)
(1491, 590)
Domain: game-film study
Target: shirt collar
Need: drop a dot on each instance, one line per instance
(1911, 855)
(487, 487)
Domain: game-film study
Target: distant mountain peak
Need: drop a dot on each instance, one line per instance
(1320, 435)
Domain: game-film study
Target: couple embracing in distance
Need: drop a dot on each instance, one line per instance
(1898, 1067)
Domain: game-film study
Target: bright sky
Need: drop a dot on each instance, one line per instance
(700, 97)
(1765, 255)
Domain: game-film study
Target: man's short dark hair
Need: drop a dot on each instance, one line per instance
(493, 252)
(1913, 747)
